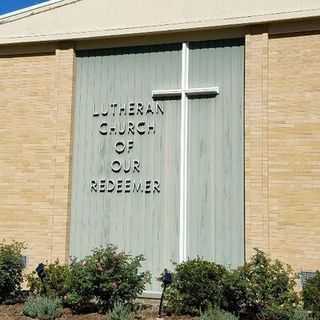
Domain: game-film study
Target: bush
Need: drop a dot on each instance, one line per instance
(217, 314)
(280, 312)
(54, 284)
(108, 277)
(11, 267)
(120, 312)
(260, 284)
(196, 285)
(300, 314)
(43, 308)
(311, 294)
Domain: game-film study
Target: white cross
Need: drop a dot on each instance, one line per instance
(184, 93)
(189, 92)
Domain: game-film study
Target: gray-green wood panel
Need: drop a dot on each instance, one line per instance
(137, 222)
(215, 219)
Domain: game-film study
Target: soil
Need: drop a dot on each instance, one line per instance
(14, 312)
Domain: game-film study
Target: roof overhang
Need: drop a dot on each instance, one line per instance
(60, 20)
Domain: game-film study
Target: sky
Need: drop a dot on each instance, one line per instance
(7, 6)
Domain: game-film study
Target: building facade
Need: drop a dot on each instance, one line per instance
(173, 129)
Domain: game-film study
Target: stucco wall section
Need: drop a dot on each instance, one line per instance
(35, 131)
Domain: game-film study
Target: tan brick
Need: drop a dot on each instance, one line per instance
(35, 122)
(282, 147)
(282, 154)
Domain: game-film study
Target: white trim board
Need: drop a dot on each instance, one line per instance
(103, 33)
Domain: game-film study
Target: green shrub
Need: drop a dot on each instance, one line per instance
(196, 285)
(11, 267)
(275, 312)
(282, 312)
(43, 308)
(217, 314)
(54, 284)
(259, 284)
(311, 294)
(30, 308)
(120, 312)
(107, 276)
(300, 314)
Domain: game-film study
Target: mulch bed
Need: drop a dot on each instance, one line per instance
(14, 312)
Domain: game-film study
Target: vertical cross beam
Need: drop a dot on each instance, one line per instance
(184, 93)
(184, 153)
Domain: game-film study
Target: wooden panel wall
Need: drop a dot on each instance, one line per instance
(148, 223)
(216, 197)
(138, 222)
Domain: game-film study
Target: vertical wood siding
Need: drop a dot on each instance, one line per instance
(149, 223)
(136, 222)
(215, 192)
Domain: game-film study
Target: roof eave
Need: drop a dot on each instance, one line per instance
(170, 27)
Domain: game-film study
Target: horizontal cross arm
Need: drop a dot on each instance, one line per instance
(198, 92)
(171, 93)
(191, 92)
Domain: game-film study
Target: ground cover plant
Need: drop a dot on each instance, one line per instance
(120, 311)
(43, 308)
(11, 268)
(217, 314)
(280, 312)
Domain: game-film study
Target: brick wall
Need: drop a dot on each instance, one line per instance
(283, 147)
(35, 132)
(256, 142)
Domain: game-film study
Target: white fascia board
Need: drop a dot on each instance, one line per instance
(161, 28)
